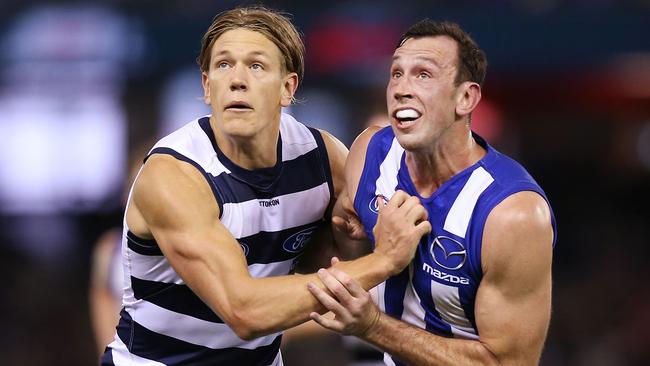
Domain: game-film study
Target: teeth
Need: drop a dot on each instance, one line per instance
(407, 113)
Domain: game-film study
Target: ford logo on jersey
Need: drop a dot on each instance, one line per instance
(296, 242)
(373, 205)
(448, 253)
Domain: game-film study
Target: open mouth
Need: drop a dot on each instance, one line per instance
(238, 106)
(406, 116)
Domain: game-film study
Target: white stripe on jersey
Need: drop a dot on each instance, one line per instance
(413, 310)
(247, 218)
(192, 330)
(191, 136)
(461, 211)
(122, 357)
(270, 269)
(161, 271)
(294, 141)
(387, 180)
(387, 360)
(152, 268)
(377, 295)
(447, 301)
(278, 360)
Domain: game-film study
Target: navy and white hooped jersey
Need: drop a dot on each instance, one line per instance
(271, 212)
(437, 290)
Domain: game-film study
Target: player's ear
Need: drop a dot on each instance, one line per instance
(289, 87)
(205, 82)
(469, 94)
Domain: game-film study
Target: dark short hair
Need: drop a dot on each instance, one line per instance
(273, 24)
(472, 63)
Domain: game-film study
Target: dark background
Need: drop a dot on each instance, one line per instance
(567, 94)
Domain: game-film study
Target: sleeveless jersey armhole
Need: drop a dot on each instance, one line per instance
(477, 235)
(325, 165)
(181, 157)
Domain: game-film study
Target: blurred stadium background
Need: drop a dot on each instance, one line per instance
(84, 83)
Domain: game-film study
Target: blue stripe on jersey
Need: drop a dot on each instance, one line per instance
(142, 246)
(173, 297)
(324, 158)
(263, 179)
(107, 358)
(380, 145)
(422, 286)
(394, 293)
(259, 250)
(179, 156)
(167, 350)
(232, 189)
(235, 190)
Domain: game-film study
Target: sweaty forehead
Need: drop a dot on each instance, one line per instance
(440, 50)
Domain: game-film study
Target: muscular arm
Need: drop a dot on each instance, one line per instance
(173, 203)
(348, 231)
(512, 307)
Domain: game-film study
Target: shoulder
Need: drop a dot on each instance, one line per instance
(191, 141)
(517, 231)
(166, 184)
(508, 172)
(356, 160)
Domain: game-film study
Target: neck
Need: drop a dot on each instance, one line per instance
(449, 154)
(249, 152)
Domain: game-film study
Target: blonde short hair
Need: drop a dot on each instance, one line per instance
(274, 25)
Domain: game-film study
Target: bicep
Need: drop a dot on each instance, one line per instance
(181, 213)
(513, 302)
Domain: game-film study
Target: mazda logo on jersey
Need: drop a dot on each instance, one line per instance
(373, 205)
(448, 253)
(296, 242)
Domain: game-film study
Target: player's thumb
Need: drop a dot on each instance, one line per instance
(340, 224)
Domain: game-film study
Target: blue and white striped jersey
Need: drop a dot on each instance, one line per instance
(162, 321)
(437, 290)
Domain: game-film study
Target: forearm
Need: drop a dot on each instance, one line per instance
(272, 304)
(416, 346)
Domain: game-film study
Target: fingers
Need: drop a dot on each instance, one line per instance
(334, 261)
(324, 298)
(352, 226)
(340, 224)
(423, 228)
(335, 286)
(398, 198)
(417, 213)
(348, 282)
(406, 206)
(325, 322)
